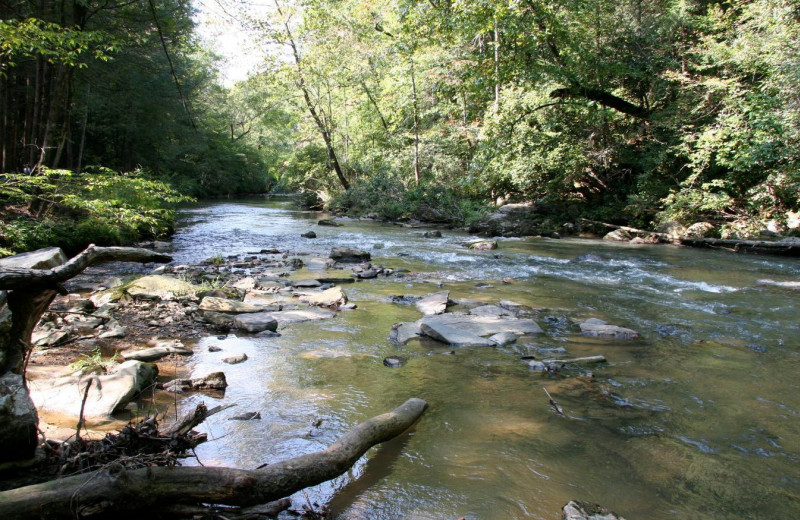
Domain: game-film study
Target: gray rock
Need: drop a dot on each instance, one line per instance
(256, 322)
(329, 222)
(218, 319)
(490, 310)
(394, 361)
(306, 284)
(699, 230)
(453, 336)
(674, 230)
(224, 305)
(432, 234)
(234, 360)
(331, 298)
(349, 254)
(309, 234)
(576, 510)
(18, 420)
(435, 303)
(299, 316)
(50, 337)
(597, 327)
(247, 416)
(367, 274)
(40, 259)
(113, 330)
(108, 393)
(213, 381)
(246, 283)
(162, 349)
(503, 338)
(481, 326)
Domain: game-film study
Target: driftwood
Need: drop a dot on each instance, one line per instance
(789, 248)
(116, 490)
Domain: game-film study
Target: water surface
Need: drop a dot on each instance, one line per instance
(699, 418)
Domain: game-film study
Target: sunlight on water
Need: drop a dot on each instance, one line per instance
(698, 418)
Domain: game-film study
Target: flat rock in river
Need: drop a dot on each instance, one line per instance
(161, 350)
(256, 322)
(213, 304)
(597, 327)
(453, 335)
(435, 303)
(331, 298)
(482, 326)
(299, 316)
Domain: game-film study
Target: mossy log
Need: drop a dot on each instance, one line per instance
(116, 490)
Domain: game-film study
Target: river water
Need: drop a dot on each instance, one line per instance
(699, 418)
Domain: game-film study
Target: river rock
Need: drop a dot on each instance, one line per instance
(503, 338)
(50, 337)
(328, 222)
(435, 303)
(113, 329)
(40, 259)
(700, 230)
(218, 319)
(213, 381)
(481, 326)
(618, 235)
(245, 284)
(256, 322)
(349, 254)
(159, 287)
(597, 327)
(783, 285)
(394, 361)
(331, 298)
(236, 359)
(299, 316)
(577, 510)
(453, 335)
(484, 245)
(247, 416)
(309, 234)
(490, 310)
(307, 284)
(224, 305)
(108, 393)
(18, 420)
(432, 234)
(162, 349)
(674, 230)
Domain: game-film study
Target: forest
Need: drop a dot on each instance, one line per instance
(637, 112)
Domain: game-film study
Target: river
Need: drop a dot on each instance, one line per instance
(698, 418)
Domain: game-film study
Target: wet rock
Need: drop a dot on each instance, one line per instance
(335, 280)
(349, 254)
(248, 416)
(40, 259)
(432, 234)
(394, 361)
(484, 245)
(618, 235)
(213, 381)
(647, 240)
(490, 310)
(159, 287)
(503, 338)
(108, 393)
(435, 303)
(403, 332)
(218, 319)
(245, 284)
(597, 327)
(224, 305)
(367, 274)
(331, 298)
(299, 316)
(309, 234)
(306, 284)
(162, 349)
(480, 326)
(783, 285)
(453, 336)
(214, 348)
(577, 510)
(234, 360)
(18, 420)
(328, 222)
(256, 322)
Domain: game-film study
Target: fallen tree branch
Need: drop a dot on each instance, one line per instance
(21, 278)
(115, 490)
(788, 248)
(626, 228)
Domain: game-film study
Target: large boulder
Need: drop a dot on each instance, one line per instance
(224, 305)
(108, 393)
(700, 230)
(672, 229)
(18, 420)
(618, 235)
(159, 287)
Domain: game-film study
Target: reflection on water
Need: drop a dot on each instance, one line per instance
(696, 419)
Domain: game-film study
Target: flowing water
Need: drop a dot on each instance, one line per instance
(699, 418)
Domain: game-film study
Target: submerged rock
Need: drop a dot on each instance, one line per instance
(234, 360)
(394, 361)
(453, 335)
(597, 327)
(329, 222)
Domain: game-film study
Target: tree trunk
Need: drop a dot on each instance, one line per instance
(416, 121)
(116, 490)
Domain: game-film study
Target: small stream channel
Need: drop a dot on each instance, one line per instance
(699, 418)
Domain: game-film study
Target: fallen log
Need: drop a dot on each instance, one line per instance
(115, 490)
(783, 247)
(578, 360)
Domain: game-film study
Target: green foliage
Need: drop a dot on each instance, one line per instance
(93, 363)
(72, 210)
